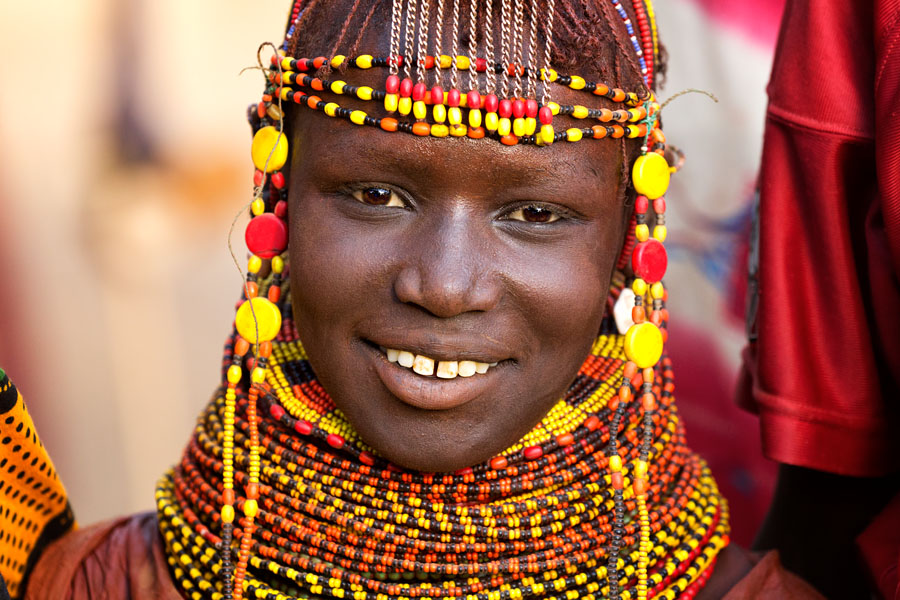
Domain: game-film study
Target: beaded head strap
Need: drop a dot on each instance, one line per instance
(511, 104)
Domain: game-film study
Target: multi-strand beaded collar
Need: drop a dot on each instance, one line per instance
(277, 497)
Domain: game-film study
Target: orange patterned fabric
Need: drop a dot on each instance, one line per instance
(34, 509)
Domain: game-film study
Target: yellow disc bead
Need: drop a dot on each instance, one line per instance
(263, 316)
(254, 264)
(474, 117)
(547, 133)
(643, 344)
(405, 105)
(234, 374)
(251, 508)
(651, 175)
(660, 233)
(258, 206)
(364, 92)
(227, 514)
(269, 149)
(277, 264)
(420, 109)
(657, 291)
(391, 102)
(642, 232)
(364, 61)
(639, 286)
(358, 117)
(491, 121)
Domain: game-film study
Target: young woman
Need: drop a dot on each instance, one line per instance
(480, 406)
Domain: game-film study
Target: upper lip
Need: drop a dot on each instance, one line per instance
(444, 347)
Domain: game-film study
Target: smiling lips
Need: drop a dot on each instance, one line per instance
(446, 369)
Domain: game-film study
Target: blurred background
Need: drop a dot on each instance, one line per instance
(124, 159)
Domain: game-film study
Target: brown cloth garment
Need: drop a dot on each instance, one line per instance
(123, 559)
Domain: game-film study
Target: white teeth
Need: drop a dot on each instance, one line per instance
(405, 359)
(423, 365)
(466, 368)
(447, 369)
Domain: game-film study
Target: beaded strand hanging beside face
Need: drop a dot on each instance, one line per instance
(603, 499)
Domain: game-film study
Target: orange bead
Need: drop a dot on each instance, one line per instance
(389, 124)
(613, 404)
(648, 401)
(476, 133)
(251, 289)
(637, 314)
(592, 423)
(228, 496)
(630, 370)
(640, 486)
(599, 131)
(241, 346)
(648, 375)
(618, 481)
(499, 462)
(274, 293)
(655, 318)
(509, 140)
(312, 101)
(252, 491)
(317, 84)
(421, 128)
(565, 439)
(265, 349)
(625, 394)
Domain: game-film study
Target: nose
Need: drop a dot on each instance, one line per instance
(449, 270)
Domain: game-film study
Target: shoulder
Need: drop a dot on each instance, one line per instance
(742, 575)
(122, 558)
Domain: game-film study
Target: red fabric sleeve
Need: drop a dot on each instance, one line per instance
(823, 365)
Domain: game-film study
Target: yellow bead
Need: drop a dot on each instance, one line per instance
(519, 127)
(264, 317)
(251, 508)
(364, 61)
(530, 125)
(504, 127)
(258, 375)
(227, 514)
(639, 286)
(462, 62)
(552, 75)
(254, 264)
(405, 105)
(547, 133)
(573, 134)
(491, 121)
(580, 112)
(234, 374)
(643, 344)
(458, 130)
(440, 113)
(269, 149)
(364, 92)
(286, 64)
(390, 102)
(258, 206)
(475, 117)
(640, 469)
(420, 109)
(331, 109)
(454, 115)
(554, 107)
(651, 175)
(657, 291)
(660, 232)
(338, 86)
(642, 232)
(440, 130)
(446, 61)
(615, 463)
(285, 92)
(338, 60)
(358, 117)
(277, 264)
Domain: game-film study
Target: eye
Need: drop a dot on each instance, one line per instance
(378, 196)
(534, 214)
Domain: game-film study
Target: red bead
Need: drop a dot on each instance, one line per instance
(533, 452)
(334, 440)
(545, 115)
(473, 99)
(258, 177)
(392, 85)
(565, 439)
(592, 423)
(281, 209)
(480, 65)
(303, 427)
(518, 109)
(276, 411)
(418, 92)
(618, 481)
(437, 95)
(278, 180)
(465, 471)
(453, 97)
(406, 87)
(499, 462)
(491, 103)
(640, 205)
(266, 235)
(659, 205)
(429, 62)
(531, 108)
(505, 109)
(261, 110)
(649, 260)
(366, 458)
(613, 403)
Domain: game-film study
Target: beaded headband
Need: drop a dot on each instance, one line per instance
(508, 99)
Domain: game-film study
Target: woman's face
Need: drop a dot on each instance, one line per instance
(456, 251)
